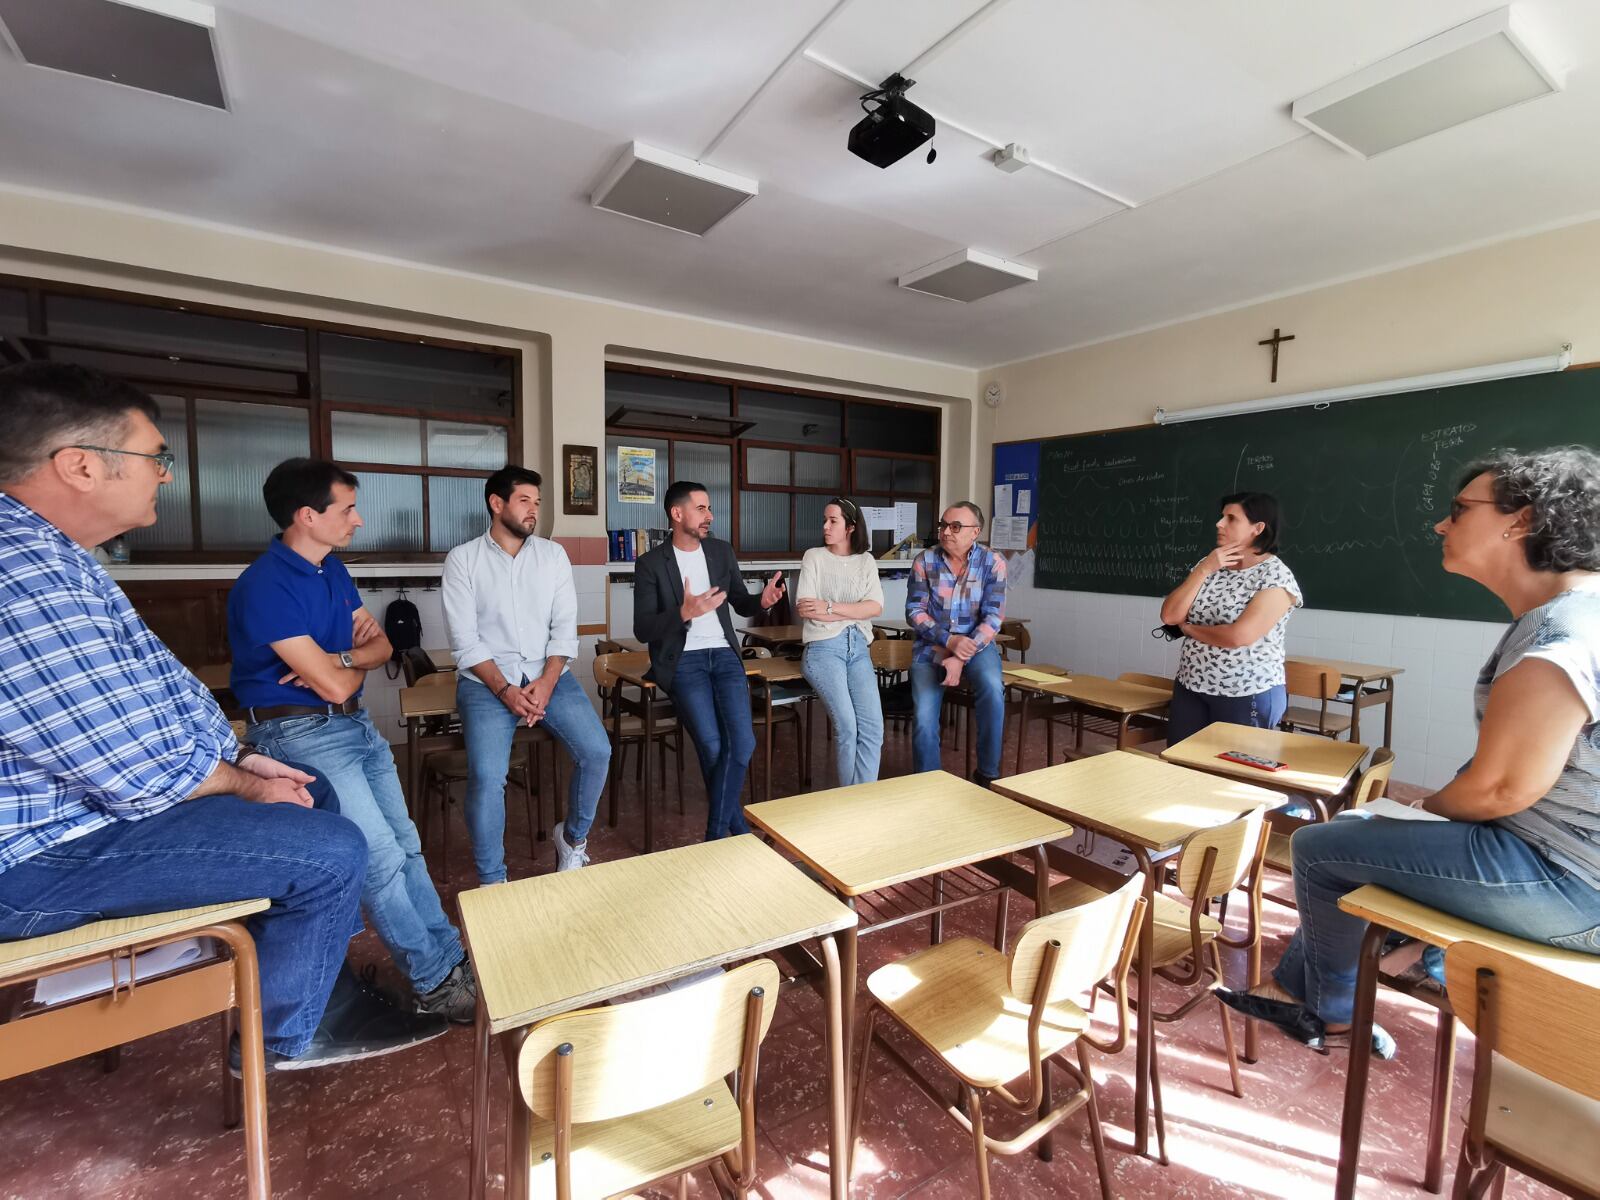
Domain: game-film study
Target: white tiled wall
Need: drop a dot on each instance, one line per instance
(1433, 728)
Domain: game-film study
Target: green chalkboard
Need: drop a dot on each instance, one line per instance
(1361, 484)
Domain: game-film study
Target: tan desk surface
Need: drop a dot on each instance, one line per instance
(1010, 669)
(871, 835)
(1111, 695)
(774, 670)
(563, 941)
(774, 635)
(1364, 672)
(1394, 911)
(1134, 798)
(29, 954)
(1318, 765)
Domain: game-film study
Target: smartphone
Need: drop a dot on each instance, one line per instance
(1251, 760)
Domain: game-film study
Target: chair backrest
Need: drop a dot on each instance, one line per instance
(1375, 778)
(630, 1057)
(1540, 1019)
(1019, 631)
(606, 666)
(607, 646)
(416, 664)
(755, 652)
(1310, 679)
(1160, 682)
(892, 654)
(1091, 937)
(1238, 845)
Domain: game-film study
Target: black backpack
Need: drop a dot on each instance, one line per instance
(402, 624)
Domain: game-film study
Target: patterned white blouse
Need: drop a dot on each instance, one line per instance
(1221, 600)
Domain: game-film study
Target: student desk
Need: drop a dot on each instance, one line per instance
(1319, 767)
(876, 837)
(1385, 910)
(773, 636)
(768, 673)
(1112, 698)
(418, 703)
(575, 939)
(1356, 677)
(1151, 807)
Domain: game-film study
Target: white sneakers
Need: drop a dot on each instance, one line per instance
(569, 858)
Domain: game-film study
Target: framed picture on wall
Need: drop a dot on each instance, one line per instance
(580, 478)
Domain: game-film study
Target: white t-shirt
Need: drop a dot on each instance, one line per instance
(1221, 600)
(705, 631)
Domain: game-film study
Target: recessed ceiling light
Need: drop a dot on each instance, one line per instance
(667, 189)
(968, 275)
(1466, 72)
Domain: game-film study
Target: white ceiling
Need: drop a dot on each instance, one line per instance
(468, 135)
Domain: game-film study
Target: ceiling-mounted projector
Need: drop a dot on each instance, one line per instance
(893, 126)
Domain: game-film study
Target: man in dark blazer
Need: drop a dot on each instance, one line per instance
(681, 594)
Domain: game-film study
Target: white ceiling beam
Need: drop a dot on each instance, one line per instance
(973, 20)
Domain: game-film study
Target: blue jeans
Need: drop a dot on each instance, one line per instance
(982, 675)
(309, 863)
(840, 669)
(712, 698)
(1475, 870)
(397, 892)
(488, 728)
(1193, 711)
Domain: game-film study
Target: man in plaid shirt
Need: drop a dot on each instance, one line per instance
(955, 601)
(122, 788)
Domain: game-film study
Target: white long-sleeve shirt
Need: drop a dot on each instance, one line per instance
(514, 610)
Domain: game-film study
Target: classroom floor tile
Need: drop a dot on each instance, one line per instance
(398, 1126)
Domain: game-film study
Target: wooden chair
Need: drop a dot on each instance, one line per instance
(993, 1018)
(623, 717)
(1317, 683)
(1143, 728)
(1535, 1104)
(1371, 785)
(891, 661)
(1023, 640)
(1209, 867)
(44, 1036)
(778, 705)
(633, 1094)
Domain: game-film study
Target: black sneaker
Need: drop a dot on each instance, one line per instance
(456, 997)
(360, 1021)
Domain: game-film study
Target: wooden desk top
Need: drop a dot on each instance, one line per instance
(1136, 799)
(100, 937)
(557, 942)
(774, 670)
(1319, 765)
(774, 635)
(871, 835)
(1016, 674)
(1359, 672)
(1442, 929)
(1109, 695)
(904, 628)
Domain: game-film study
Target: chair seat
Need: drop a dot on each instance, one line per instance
(451, 765)
(609, 1157)
(1170, 919)
(1280, 855)
(1312, 719)
(954, 999)
(633, 727)
(31, 955)
(1541, 1122)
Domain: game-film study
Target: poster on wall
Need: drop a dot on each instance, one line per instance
(1014, 525)
(636, 475)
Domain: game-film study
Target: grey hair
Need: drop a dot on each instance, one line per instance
(45, 407)
(1561, 488)
(972, 507)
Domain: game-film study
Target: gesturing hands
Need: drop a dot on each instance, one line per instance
(773, 592)
(698, 605)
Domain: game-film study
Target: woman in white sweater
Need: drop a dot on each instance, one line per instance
(838, 596)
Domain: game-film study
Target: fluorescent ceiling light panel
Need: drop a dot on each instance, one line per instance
(1466, 72)
(968, 275)
(164, 46)
(667, 189)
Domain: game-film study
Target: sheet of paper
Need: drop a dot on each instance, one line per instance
(1009, 533)
(878, 518)
(1024, 502)
(1002, 500)
(1385, 807)
(1033, 676)
(96, 977)
(905, 520)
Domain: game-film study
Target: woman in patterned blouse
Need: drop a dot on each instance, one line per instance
(1232, 609)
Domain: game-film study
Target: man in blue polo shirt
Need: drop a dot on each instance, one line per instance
(302, 646)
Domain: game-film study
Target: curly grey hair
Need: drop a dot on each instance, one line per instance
(1561, 487)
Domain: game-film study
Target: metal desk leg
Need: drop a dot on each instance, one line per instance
(1355, 1084)
(480, 1103)
(848, 943)
(616, 751)
(1146, 1032)
(413, 765)
(649, 799)
(1041, 907)
(1388, 718)
(1022, 730)
(1355, 714)
(1444, 1070)
(838, 1044)
(767, 693)
(1122, 730)
(518, 1122)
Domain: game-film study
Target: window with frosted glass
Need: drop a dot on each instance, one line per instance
(456, 511)
(663, 394)
(369, 370)
(816, 470)
(764, 521)
(174, 527)
(149, 327)
(391, 513)
(763, 466)
(907, 429)
(372, 438)
(711, 465)
(785, 417)
(237, 444)
(808, 513)
(471, 447)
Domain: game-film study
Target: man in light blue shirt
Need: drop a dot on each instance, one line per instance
(512, 612)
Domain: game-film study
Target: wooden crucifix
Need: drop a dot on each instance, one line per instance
(1277, 339)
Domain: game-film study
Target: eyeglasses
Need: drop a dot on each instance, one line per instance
(164, 459)
(952, 526)
(1458, 507)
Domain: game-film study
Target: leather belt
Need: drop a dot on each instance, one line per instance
(257, 715)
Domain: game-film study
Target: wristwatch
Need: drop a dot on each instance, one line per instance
(346, 659)
(830, 608)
